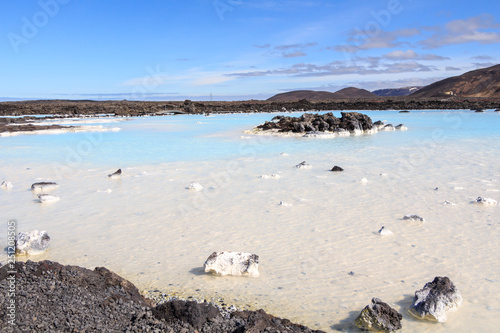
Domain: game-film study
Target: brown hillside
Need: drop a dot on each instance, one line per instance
(352, 92)
(483, 82)
(312, 95)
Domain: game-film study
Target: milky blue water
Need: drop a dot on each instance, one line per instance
(152, 140)
(149, 229)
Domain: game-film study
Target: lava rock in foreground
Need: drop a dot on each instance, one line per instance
(53, 297)
(308, 122)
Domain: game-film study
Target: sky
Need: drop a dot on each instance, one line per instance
(236, 49)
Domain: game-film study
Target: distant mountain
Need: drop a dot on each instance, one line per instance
(483, 82)
(313, 95)
(396, 91)
(352, 92)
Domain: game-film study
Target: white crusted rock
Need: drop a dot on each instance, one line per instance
(401, 127)
(435, 300)
(285, 204)
(384, 231)
(32, 242)
(6, 185)
(196, 187)
(233, 263)
(485, 201)
(47, 198)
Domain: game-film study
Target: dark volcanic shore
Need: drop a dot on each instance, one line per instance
(50, 297)
(141, 108)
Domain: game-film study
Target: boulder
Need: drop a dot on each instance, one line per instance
(337, 169)
(413, 218)
(379, 317)
(32, 242)
(435, 300)
(485, 201)
(115, 174)
(47, 198)
(44, 186)
(232, 263)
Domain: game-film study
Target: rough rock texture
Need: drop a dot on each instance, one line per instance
(232, 263)
(51, 297)
(435, 300)
(308, 122)
(379, 317)
(32, 242)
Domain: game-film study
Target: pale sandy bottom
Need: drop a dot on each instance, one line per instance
(154, 232)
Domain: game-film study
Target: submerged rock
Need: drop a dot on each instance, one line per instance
(46, 198)
(337, 169)
(6, 185)
(485, 201)
(32, 242)
(196, 187)
(44, 186)
(379, 317)
(233, 263)
(388, 127)
(272, 176)
(303, 165)
(435, 300)
(285, 204)
(413, 218)
(401, 127)
(115, 174)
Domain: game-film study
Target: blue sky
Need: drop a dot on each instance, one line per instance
(237, 49)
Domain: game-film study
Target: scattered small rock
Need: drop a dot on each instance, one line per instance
(44, 186)
(47, 198)
(435, 300)
(303, 165)
(388, 127)
(6, 185)
(384, 231)
(448, 203)
(285, 204)
(364, 181)
(32, 242)
(379, 317)
(337, 169)
(401, 127)
(115, 174)
(273, 176)
(233, 263)
(485, 201)
(196, 187)
(413, 218)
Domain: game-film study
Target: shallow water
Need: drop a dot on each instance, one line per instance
(148, 228)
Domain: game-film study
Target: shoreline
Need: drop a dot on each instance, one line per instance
(64, 108)
(66, 297)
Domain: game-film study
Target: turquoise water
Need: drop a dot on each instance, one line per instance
(153, 140)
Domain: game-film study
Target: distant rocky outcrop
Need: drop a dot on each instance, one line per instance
(483, 82)
(308, 122)
(391, 92)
